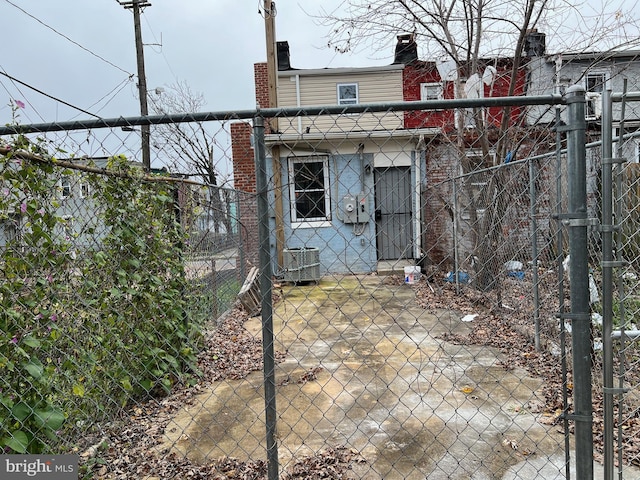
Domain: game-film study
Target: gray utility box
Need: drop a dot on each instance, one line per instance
(301, 264)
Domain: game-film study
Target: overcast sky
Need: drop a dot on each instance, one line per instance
(210, 44)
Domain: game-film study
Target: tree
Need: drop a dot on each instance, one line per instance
(189, 147)
(463, 33)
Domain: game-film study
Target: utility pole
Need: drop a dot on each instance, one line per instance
(272, 79)
(135, 6)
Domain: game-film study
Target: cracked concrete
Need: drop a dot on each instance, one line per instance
(413, 405)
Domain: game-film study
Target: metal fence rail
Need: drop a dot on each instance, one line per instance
(415, 320)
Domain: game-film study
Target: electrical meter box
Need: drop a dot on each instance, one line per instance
(350, 209)
(355, 208)
(363, 208)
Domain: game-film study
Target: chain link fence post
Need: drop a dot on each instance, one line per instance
(607, 282)
(577, 223)
(267, 302)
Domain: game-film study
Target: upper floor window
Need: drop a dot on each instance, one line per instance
(65, 187)
(309, 188)
(595, 83)
(347, 93)
(85, 189)
(430, 91)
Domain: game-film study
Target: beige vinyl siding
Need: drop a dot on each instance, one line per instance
(321, 89)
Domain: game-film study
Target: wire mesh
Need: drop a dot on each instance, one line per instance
(415, 297)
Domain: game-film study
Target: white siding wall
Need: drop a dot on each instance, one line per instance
(320, 89)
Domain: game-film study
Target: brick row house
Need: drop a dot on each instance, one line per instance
(359, 187)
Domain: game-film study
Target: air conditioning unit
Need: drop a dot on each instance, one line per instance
(594, 106)
(301, 264)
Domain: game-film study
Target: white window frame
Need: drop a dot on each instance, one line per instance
(85, 189)
(601, 74)
(636, 158)
(347, 101)
(65, 186)
(293, 191)
(426, 95)
(594, 102)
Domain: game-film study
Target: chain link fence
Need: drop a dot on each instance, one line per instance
(406, 321)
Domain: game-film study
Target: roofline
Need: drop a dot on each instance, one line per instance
(594, 55)
(341, 70)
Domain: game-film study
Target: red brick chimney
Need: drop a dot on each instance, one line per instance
(244, 169)
(261, 80)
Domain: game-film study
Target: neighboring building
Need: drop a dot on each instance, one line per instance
(595, 72)
(423, 80)
(354, 184)
(76, 210)
(79, 221)
(360, 187)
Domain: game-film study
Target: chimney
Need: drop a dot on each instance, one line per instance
(534, 43)
(406, 49)
(282, 53)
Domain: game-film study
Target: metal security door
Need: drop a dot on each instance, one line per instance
(394, 232)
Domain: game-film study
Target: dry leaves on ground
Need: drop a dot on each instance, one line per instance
(133, 449)
(507, 325)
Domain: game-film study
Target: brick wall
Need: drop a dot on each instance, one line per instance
(261, 80)
(412, 76)
(426, 72)
(261, 84)
(244, 179)
(437, 208)
(244, 169)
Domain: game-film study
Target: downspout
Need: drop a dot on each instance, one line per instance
(297, 77)
(419, 156)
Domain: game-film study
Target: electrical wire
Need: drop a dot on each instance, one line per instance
(15, 80)
(67, 38)
(23, 96)
(118, 87)
(155, 38)
(264, 13)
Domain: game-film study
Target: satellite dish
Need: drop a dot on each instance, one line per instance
(473, 86)
(447, 69)
(489, 75)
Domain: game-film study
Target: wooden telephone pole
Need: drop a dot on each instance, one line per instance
(135, 6)
(272, 79)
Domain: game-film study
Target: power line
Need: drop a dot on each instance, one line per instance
(155, 38)
(13, 79)
(118, 87)
(24, 97)
(67, 38)
(135, 6)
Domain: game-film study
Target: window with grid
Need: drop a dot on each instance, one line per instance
(309, 188)
(347, 94)
(65, 187)
(431, 91)
(595, 83)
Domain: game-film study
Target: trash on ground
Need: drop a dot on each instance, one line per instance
(463, 277)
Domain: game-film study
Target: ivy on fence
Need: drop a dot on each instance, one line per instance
(87, 330)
